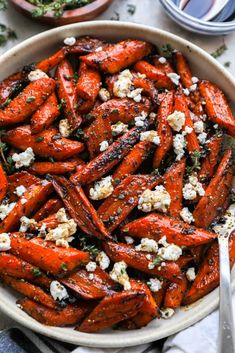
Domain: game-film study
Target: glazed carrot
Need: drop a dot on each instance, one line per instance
(209, 163)
(207, 277)
(48, 143)
(165, 67)
(181, 105)
(10, 85)
(21, 178)
(52, 61)
(160, 79)
(155, 226)
(27, 102)
(111, 310)
(217, 107)
(183, 69)
(3, 183)
(29, 203)
(53, 259)
(164, 131)
(124, 199)
(184, 260)
(67, 93)
(213, 203)
(13, 266)
(70, 315)
(88, 288)
(45, 115)
(80, 208)
(132, 161)
(42, 168)
(86, 45)
(173, 182)
(31, 291)
(49, 208)
(138, 260)
(88, 84)
(118, 56)
(174, 293)
(103, 163)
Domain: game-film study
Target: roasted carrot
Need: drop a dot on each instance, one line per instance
(124, 199)
(50, 222)
(42, 168)
(155, 226)
(217, 107)
(165, 67)
(85, 45)
(52, 61)
(138, 260)
(48, 143)
(118, 56)
(49, 208)
(27, 102)
(174, 293)
(67, 93)
(163, 129)
(29, 203)
(160, 79)
(21, 178)
(183, 69)
(197, 252)
(45, 115)
(214, 202)
(70, 315)
(10, 85)
(3, 183)
(80, 208)
(113, 309)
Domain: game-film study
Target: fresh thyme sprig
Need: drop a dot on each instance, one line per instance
(6, 33)
(57, 6)
(92, 249)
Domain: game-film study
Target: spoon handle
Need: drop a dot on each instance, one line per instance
(226, 341)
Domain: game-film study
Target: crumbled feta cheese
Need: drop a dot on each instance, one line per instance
(119, 274)
(170, 253)
(23, 159)
(152, 115)
(23, 201)
(58, 291)
(141, 75)
(103, 260)
(190, 274)
(158, 199)
(5, 209)
(91, 276)
(154, 284)
(195, 79)
(226, 227)
(148, 245)
(104, 145)
(139, 120)
(179, 144)
(119, 128)
(62, 235)
(98, 49)
(36, 75)
(167, 313)
(70, 41)
(5, 242)
(122, 86)
(187, 130)
(61, 216)
(150, 136)
(162, 60)
(186, 215)
(198, 126)
(215, 126)
(193, 188)
(129, 240)
(176, 120)
(64, 128)
(104, 94)
(135, 94)
(91, 266)
(193, 87)
(163, 241)
(186, 91)
(20, 190)
(27, 224)
(174, 78)
(202, 138)
(102, 189)
(42, 230)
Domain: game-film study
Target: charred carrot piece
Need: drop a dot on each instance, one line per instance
(181, 106)
(52, 61)
(165, 67)
(13, 266)
(31, 291)
(10, 85)
(48, 257)
(90, 289)
(209, 163)
(173, 182)
(80, 208)
(155, 226)
(33, 198)
(48, 143)
(183, 69)
(138, 260)
(174, 293)
(116, 57)
(164, 130)
(111, 310)
(21, 178)
(3, 183)
(42, 168)
(70, 315)
(45, 115)
(67, 93)
(124, 199)
(207, 277)
(160, 79)
(217, 106)
(86, 45)
(213, 203)
(103, 163)
(132, 161)
(49, 208)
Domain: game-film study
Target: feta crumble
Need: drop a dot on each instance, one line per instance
(58, 291)
(129, 240)
(226, 227)
(119, 128)
(70, 41)
(170, 253)
(103, 260)
(104, 94)
(36, 75)
(176, 120)
(150, 136)
(186, 215)
(23, 159)
(202, 138)
(5, 209)
(27, 224)
(198, 126)
(119, 274)
(193, 188)
(186, 91)
(158, 199)
(163, 241)
(64, 128)
(148, 245)
(187, 130)
(154, 284)
(139, 120)
(195, 79)
(23, 201)
(91, 266)
(102, 189)
(174, 78)
(167, 313)
(104, 145)
(162, 60)
(123, 87)
(5, 242)
(179, 145)
(20, 190)
(190, 274)
(193, 87)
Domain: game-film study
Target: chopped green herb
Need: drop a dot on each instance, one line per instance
(227, 63)
(36, 272)
(64, 267)
(30, 99)
(116, 16)
(5, 103)
(3, 5)
(6, 34)
(60, 105)
(56, 6)
(167, 50)
(125, 230)
(92, 249)
(39, 139)
(219, 51)
(195, 157)
(75, 77)
(131, 9)
(156, 172)
(79, 133)
(158, 259)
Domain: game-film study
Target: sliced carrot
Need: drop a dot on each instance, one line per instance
(160, 79)
(175, 292)
(208, 165)
(3, 183)
(43, 168)
(50, 207)
(20, 178)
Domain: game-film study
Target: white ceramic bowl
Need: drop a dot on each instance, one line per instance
(204, 66)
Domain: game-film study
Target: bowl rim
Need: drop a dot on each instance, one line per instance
(105, 340)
